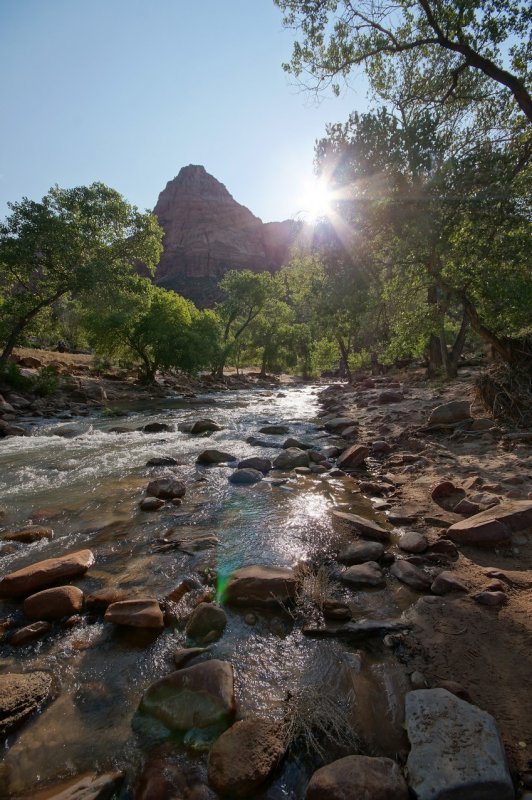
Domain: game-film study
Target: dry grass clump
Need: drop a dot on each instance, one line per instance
(315, 586)
(506, 391)
(316, 719)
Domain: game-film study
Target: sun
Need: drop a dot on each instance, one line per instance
(317, 200)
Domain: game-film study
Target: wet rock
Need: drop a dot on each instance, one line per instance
(165, 777)
(353, 457)
(199, 426)
(29, 633)
(317, 469)
(445, 582)
(357, 631)
(98, 601)
(358, 778)
(245, 476)
(412, 542)
(339, 424)
(185, 654)
(411, 575)
(293, 442)
(291, 458)
(261, 585)
(43, 574)
(360, 552)
(56, 603)
(456, 749)
(450, 413)
(255, 462)
(364, 527)
(140, 613)
(151, 504)
(194, 697)
(32, 533)
(214, 457)
(275, 430)
(207, 622)
(89, 787)
(162, 461)
(336, 610)
(262, 442)
(157, 427)
(244, 756)
(331, 452)
(494, 599)
(303, 471)
(362, 575)
(166, 488)
(493, 527)
(21, 695)
(390, 396)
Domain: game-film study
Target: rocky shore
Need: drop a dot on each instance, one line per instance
(442, 563)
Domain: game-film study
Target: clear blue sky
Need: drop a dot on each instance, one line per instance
(128, 91)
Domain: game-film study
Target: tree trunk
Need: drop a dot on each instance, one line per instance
(22, 323)
(457, 348)
(501, 347)
(345, 358)
(263, 365)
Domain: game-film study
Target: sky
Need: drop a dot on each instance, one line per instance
(129, 91)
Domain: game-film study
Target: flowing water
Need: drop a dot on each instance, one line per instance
(86, 482)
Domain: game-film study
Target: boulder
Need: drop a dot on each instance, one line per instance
(140, 613)
(206, 622)
(157, 427)
(166, 777)
(29, 633)
(445, 582)
(494, 599)
(456, 749)
(275, 430)
(261, 586)
(450, 413)
(339, 424)
(214, 457)
(291, 458)
(389, 396)
(195, 697)
(45, 573)
(412, 542)
(360, 552)
(293, 442)
(358, 778)
(166, 488)
(21, 695)
(151, 504)
(199, 426)
(245, 476)
(185, 654)
(255, 462)
(363, 575)
(411, 575)
(162, 461)
(62, 601)
(352, 457)
(364, 527)
(244, 756)
(32, 533)
(90, 786)
(100, 600)
(493, 527)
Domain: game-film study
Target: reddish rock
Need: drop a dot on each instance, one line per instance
(445, 582)
(21, 694)
(244, 756)
(32, 533)
(28, 634)
(99, 600)
(140, 613)
(443, 489)
(90, 786)
(56, 603)
(43, 574)
(166, 488)
(466, 507)
(358, 778)
(261, 585)
(353, 457)
(493, 527)
(364, 527)
(411, 575)
(490, 598)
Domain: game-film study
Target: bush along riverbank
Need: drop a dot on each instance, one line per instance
(294, 592)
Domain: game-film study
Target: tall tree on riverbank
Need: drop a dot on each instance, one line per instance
(73, 241)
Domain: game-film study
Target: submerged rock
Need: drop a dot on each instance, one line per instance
(358, 778)
(140, 613)
(456, 749)
(194, 697)
(206, 623)
(32, 533)
(245, 476)
(261, 585)
(89, 787)
(151, 504)
(29, 633)
(21, 695)
(244, 756)
(43, 574)
(363, 629)
(62, 601)
(214, 457)
(166, 488)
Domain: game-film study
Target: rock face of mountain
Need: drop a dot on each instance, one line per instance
(207, 233)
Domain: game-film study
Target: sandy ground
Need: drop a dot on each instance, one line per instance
(487, 650)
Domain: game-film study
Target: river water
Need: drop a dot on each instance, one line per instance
(86, 485)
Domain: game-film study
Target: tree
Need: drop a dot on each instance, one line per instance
(490, 37)
(73, 242)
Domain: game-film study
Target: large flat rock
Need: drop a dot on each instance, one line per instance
(46, 573)
(358, 778)
(456, 749)
(261, 586)
(143, 612)
(194, 697)
(364, 527)
(493, 527)
(21, 694)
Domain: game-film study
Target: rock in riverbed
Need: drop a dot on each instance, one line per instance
(358, 778)
(199, 426)
(493, 527)
(256, 462)
(364, 575)
(291, 458)
(43, 574)
(360, 552)
(244, 756)
(246, 476)
(207, 622)
(89, 787)
(194, 697)
(364, 527)
(456, 749)
(139, 613)
(214, 457)
(353, 457)
(166, 488)
(20, 696)
(261, 586)
(411, 575)
(61, 601)
(32, 533)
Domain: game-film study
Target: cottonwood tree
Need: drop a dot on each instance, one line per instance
(71, 242)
